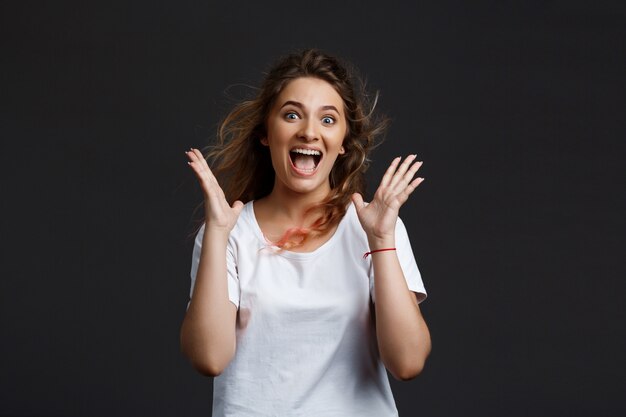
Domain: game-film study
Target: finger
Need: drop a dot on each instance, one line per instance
(189, 152)
(402, 170)
(197, 156)
(408, 176)
(194, 154)
(357, 199)
(410, 188)
(389, 173)
(237, 206)
(203, 174)
(200, 165)
(194, 160)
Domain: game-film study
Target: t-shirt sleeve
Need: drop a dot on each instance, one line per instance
(407, 262)
(231, 268)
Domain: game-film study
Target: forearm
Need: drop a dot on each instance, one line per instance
(208, 329)
(402, 334)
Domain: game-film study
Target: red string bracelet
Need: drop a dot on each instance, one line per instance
(365, 255)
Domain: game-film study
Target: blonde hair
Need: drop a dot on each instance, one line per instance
(243, 166)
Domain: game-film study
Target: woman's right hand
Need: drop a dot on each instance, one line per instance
(219, 216)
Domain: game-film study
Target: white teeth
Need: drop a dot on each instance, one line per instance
(306, 151)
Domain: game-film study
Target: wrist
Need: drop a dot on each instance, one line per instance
(377, 243)
(216, 235)
(366, 254)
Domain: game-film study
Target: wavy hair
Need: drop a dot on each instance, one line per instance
(243, 166)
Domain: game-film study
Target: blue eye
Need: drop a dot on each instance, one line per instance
(328, 120)
(291, 116)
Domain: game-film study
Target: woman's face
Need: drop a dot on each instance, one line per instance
(305, 131)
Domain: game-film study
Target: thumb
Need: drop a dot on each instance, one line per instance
(357, 199)
(237, 206)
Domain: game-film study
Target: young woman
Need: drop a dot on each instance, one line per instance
(302, 294)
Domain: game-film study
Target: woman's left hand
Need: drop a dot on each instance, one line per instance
(379, 217)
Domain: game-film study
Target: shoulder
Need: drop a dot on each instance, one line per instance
(351, 226)
(351, 218)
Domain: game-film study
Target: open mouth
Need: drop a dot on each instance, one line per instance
(305, 161)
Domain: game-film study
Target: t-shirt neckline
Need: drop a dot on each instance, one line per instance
(290, 254)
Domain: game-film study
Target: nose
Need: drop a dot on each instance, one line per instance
(308, 131)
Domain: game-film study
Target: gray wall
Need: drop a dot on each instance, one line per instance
(517, 109)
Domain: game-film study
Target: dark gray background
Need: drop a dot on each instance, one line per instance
(517, 109)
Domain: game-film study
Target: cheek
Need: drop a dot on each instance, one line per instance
(340, 140)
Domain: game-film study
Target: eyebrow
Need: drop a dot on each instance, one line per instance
(300, 105)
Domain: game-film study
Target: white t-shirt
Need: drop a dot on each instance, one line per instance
(306, 342)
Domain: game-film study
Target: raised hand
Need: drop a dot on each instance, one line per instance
(379, 217)
(219, 216)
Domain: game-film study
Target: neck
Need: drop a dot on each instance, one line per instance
(291, 206)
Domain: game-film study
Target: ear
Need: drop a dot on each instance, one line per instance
(342, 150)
(264, 141)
